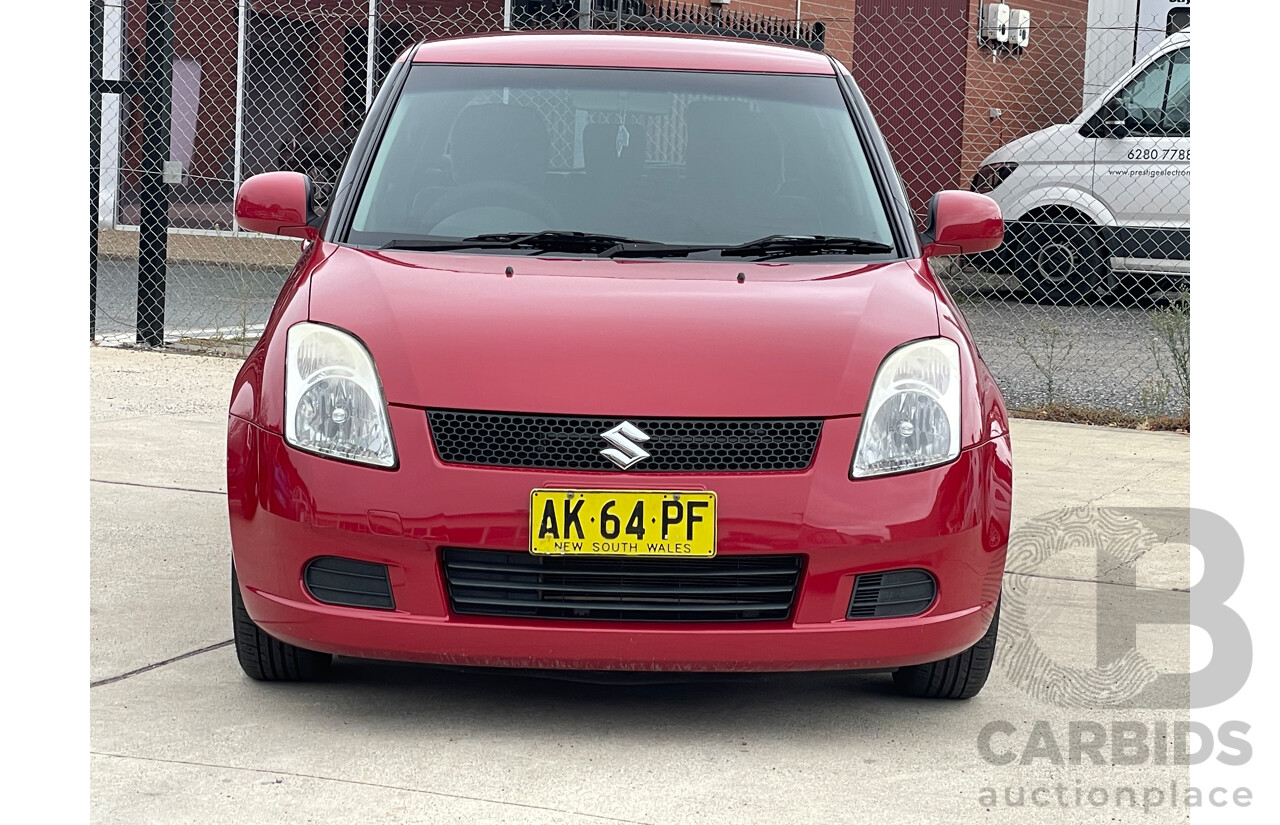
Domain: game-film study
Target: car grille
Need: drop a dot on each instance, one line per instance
(722, 589)
(675, 445)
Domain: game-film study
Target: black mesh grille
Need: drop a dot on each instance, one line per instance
(722, 589)
(675, 445)
(892, 593)
(335, 580)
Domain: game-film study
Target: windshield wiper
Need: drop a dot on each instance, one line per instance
(773, 246)
(645, 249)
(614, 246)
(430, 245)
(549, 241)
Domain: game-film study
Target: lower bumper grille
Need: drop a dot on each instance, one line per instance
(892, 593)
(347, 582)
(723, 589)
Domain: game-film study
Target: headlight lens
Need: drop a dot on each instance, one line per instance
(991, 176)
(913, 418)
(333, 399)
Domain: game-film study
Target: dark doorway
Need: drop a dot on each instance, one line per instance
(277, 81)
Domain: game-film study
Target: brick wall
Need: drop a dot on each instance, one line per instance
(206, 31)
(909, 61)
(932, 87)
(1038, 88)
(929, 83)
(837, 15)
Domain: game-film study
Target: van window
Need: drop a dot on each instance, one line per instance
(1159, 98)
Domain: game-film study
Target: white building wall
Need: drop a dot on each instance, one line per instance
(1108, 45)
(1120, 31)
(109, 157)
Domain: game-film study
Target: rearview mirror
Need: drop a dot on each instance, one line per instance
(277, 203)
(962, 223)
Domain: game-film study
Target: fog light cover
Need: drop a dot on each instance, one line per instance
(912, 420)
(334, 403)
(892, 594)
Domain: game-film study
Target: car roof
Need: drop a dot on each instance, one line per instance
(630, 50)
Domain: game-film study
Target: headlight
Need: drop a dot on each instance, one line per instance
(333, 402)
(913, 418)
(991, 176)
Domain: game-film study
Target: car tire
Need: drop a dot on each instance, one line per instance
(1060, 259)
(957, 677)
(266, 659)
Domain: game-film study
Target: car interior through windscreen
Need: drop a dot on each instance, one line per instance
(690, 158)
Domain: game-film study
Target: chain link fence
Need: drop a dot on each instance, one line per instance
(1077, 125)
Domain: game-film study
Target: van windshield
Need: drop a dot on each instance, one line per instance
(661, 157)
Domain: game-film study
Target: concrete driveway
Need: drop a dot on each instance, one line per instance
(179, 734)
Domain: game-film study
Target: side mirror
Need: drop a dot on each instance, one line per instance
(962, 223)
(1112, 121)
(277, 203)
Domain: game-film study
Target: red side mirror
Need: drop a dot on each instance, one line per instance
(276, 203)
(961, 223)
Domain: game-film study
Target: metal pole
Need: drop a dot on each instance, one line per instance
(153, 227)
(506, 15)
(798, 19)
(241, 47)
(96, 39)
(372, 55)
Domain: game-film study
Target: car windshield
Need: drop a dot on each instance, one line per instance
(695, 159)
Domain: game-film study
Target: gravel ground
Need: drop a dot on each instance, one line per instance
(1102, 356)
(1098, 355)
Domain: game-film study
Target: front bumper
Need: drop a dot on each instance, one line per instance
(288, 507)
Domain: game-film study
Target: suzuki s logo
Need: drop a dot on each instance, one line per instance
(625, 450)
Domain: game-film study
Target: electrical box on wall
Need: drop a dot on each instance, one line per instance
(1019, 28)
(994, 22)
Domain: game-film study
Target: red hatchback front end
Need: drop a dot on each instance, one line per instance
(516, 408)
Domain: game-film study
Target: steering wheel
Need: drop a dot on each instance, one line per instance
(491, 193)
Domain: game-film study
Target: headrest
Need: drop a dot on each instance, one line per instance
(600, 145)
(496, 141)
(732, 147)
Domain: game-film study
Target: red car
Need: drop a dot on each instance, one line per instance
(618, 352)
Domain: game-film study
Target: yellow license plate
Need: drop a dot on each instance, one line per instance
(622, 523)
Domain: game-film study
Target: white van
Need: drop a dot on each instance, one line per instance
(1107, 195)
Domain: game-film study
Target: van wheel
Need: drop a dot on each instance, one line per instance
(957, 677)
(267, 659)
(1061, 260)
